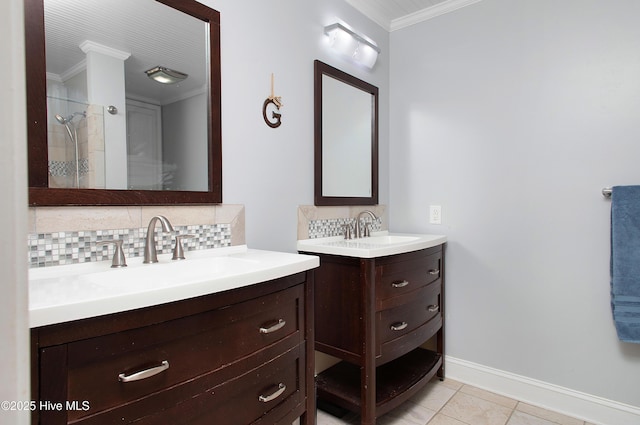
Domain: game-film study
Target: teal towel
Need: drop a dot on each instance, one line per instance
(625, 261)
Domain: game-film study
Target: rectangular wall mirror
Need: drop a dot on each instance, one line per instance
(345, 138)
(123, 102)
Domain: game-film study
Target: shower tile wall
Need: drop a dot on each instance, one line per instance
(88, 126)
(61, 163)
(94, 150)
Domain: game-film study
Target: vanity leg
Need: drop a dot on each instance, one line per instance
(368, 396)
(309, 417)
(368, 368)
(440, 349)
(440, 334)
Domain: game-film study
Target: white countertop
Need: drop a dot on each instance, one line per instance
(63, 293)
(379, 244)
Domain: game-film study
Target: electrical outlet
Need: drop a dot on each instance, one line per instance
(435, 214)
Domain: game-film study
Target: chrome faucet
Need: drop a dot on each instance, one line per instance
(150, 254)
(359, 232)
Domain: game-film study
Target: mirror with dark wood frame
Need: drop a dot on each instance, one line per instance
(40, 192)
(345, 138)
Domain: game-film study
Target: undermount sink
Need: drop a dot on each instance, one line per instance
(378, 244)
(70, 292)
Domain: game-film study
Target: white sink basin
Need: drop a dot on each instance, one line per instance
(62, 293)
(379, 244)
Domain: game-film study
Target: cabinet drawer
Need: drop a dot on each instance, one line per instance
(395, 348)
(398, 321)
(256, 393)
(267, 391)
(190, 346)
(406, 275)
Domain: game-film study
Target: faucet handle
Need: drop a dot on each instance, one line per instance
(347, 231)
(118, 254)
(178, 250)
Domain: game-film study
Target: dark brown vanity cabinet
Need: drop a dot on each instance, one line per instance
(243, 356)
(375, 314)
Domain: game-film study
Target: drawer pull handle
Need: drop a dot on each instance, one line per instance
(277, 393)
(433, 307)
(434, 271)
(274, 327)
(398, 326)
(400, 283)
(143, 374)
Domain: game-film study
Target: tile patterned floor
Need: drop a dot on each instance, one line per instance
(453, 403)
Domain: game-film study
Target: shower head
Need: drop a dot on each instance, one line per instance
(62, 120)
(67, 125)
(67, 120)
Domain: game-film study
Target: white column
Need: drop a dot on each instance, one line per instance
(106, 86)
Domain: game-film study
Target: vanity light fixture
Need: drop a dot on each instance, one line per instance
(359, 48)
(165, 75)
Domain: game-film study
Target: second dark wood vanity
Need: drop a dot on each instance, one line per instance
(375, 314)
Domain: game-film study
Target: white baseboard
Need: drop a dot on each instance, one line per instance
(572, 403)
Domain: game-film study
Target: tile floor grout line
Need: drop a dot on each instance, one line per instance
(513, 410)
(447, 402)
(444, 404)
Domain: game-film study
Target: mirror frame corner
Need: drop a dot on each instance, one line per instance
(35, 62)
(320, 69)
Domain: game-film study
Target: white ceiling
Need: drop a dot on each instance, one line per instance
(151, 32)
(395, 14)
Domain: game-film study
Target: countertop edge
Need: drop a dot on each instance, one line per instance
(317, 247)
(75, 311)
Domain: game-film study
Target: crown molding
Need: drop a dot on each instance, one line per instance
(374, 13)
(91, 46)
(429, 13)
(74, 70)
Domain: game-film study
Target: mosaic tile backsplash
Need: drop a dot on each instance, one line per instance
(325, 228)
(60, 248)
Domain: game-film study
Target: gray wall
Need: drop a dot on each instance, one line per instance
(513, 115)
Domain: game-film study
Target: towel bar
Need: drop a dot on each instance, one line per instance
(606, 192)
